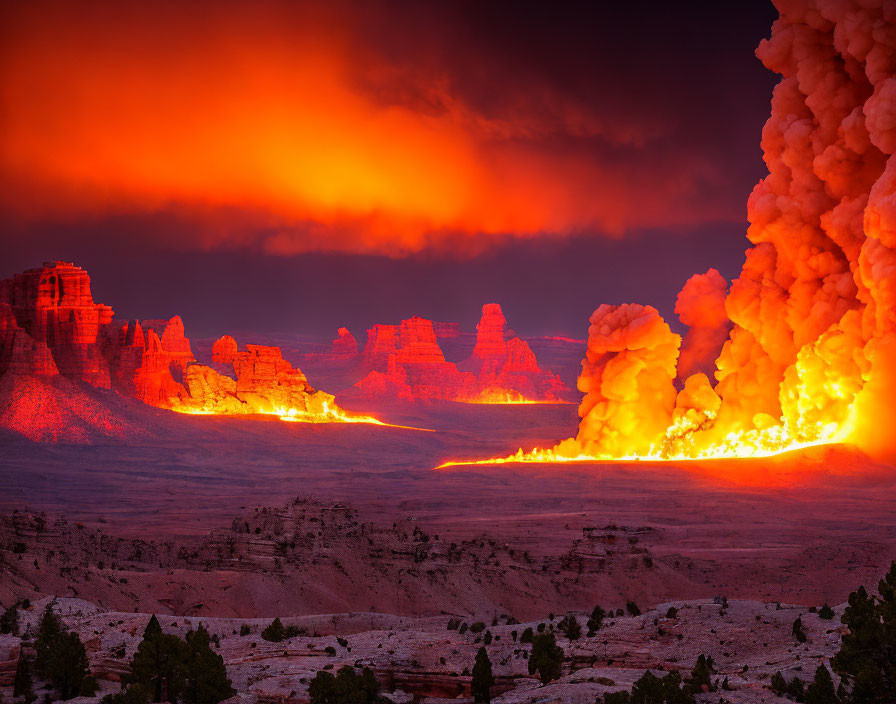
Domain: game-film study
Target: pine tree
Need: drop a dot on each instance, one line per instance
(778, 683)
(569, 626)
(153, 628)
(546, 658)
(651, 689)
(49, 630)
(206, 676)
(347, 687)
(596, 620)
(483, 681)
(821, 690)
(866, 662)
(274, 632)
(700, 680)
(23, 685)
(67, 668)
(9, 621)
(158, 664)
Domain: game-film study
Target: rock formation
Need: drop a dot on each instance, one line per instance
(53, 304)
(382, 340)
(49, 325)
(491, 349)
(417, 368)
(264, 383)
(508, 368)
(19, 352)
(345, 344)
(408, 364)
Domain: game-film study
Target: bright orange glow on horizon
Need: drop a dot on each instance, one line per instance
(506, 397)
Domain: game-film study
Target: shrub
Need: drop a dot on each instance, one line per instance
(821, 689)
(650, 689)
(779, 684)
(483, 680)
(826, 613)
(632, 608)
(345, 687)
(569, 626)
(546, 658)
(528, 635)
(477, 627)
(798, 631)
(9, 621)
(700, 680)
(672, 612)
(596, 620)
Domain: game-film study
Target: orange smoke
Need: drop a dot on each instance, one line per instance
(701, 306)
(259, 111)
(811, 357)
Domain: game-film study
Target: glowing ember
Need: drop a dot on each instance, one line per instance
(326, 414)
(498, 396)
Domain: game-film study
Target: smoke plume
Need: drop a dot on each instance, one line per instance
(811, 355)
(701, 306)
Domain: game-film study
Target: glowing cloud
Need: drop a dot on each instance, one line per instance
(282, 126)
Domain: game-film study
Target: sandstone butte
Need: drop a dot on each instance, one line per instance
(50, 326)
(407, 363)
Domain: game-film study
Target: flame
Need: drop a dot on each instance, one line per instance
(742, 445)
(327, 414)
(498, 396)
(682, 443)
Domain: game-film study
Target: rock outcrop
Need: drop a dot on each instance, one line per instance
(382, 341)
(345, 344)
(417, 369)
(263, 382)
(507, 367)
(19, 352)
(50, 325)
(408, 364)
(53, 304)
(491, 349)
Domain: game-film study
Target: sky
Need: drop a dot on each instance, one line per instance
(295, 167)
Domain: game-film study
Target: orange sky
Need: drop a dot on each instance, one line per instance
(267, 114)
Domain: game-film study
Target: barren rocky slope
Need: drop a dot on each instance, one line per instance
(422, 659)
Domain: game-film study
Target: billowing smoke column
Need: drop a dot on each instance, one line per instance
(811, 353)
(814, 308)
(701, 306)
(627, 378)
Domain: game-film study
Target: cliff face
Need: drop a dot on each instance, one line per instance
(53, 304)
(50, 324)
(417, 369)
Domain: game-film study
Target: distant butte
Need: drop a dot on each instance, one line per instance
(407, 363)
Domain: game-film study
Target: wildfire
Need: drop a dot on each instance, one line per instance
(736, 445)
(327, 414)
(498, 396)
